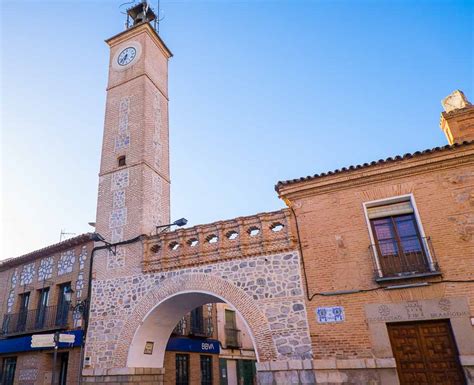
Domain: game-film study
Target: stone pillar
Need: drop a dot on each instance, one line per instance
(457, 120)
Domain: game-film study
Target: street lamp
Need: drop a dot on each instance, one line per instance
(96, 237)
(68, 294)
(80, 306)
(179, 222)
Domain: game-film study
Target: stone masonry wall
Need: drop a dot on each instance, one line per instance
(271, 282)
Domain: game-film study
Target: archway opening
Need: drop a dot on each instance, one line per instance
(198, 336)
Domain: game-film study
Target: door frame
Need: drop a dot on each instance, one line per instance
(450, 333)
(456, 309)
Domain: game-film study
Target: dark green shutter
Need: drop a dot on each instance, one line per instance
(223, 371)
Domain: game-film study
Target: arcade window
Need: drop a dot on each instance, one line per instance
(399, 247)
(8, 371)
(182, 369)
(197, 321)
(206, 370)
(232, 333)
(23, 313)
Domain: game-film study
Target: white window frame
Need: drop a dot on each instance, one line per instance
(396, 199)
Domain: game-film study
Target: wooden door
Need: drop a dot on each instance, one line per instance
(426, 353)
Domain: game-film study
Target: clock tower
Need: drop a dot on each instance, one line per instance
(134, 179)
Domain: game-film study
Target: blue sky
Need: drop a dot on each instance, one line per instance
(260, 91)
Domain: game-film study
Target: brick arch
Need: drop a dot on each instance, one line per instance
(211, 286)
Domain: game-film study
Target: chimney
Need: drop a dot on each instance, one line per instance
(457, 120)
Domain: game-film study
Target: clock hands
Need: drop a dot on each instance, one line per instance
(123, 59)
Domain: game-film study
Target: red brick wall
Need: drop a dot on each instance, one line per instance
(194, 368)
(335, 241)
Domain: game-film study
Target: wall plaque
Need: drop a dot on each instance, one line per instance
(149, 347)
(330, 314)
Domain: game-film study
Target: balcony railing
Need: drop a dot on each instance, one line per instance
(188, 327)
(46, 318)
(232, 338)
(398, 259)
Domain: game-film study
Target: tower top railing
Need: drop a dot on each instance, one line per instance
(261, 234)
(141, 12)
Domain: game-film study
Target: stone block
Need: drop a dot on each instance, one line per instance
(466, 360)
(350, 364)
(337, 377)
(265, 378)
(370, 363)
(262, 366)
(307, 377)
(88, 372)
(385, 363)
(307, 364)
(100, 372)
(295, 365)
(289, 377)
(278, 365)
(121, 371)
(329, 363)
(321, 376)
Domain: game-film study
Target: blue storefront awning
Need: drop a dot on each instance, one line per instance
(205, 345)
(23, 344)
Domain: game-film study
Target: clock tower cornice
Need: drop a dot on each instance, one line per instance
(137, 30)
(137, 76)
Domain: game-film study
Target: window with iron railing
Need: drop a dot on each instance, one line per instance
(399, 250)
(196, 323)
(41, 313)
(44, 318)
(22, 314)
(63, 304)
(232, 333)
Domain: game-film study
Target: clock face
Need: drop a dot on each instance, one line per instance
(126, 56)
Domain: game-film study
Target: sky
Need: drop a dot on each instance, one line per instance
(260, 91)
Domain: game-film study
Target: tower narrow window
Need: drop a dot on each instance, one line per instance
(122, 161)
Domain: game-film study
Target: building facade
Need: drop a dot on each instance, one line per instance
(302, 279)
(390, 273)
(44, 292)
(210, 345)
(365, 278)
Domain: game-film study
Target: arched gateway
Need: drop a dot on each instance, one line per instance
(159, 311)
(141, 301)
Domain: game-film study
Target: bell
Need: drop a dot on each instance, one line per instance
(141, 17)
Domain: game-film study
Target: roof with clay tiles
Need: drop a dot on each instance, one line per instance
(397, 158)
(45, 251)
